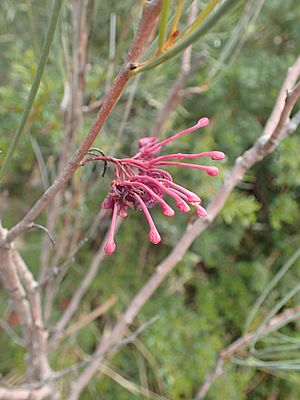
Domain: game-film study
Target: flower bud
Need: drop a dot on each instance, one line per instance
(154, 236)
(110, 247)
(201, 212)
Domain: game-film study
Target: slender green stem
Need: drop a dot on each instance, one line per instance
(201, 17)
(35, 85)
(273, 312)
(163, 25)
(236, 40)
(177, 15)
(31, 26)
(270, 287)
(209, 22)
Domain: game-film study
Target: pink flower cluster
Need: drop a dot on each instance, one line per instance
(140, 182)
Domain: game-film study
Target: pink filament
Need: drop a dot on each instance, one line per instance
(110, 246)
(153, 234)
(214, 155)
(154, 148)
(201, 212)
(212, 171)
(191, 197)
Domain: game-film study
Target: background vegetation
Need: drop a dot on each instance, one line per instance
(204, 303)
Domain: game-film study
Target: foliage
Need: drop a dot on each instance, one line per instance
(203, 305)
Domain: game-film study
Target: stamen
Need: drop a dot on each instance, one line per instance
(191, 197)
(212, 171)
(134, 163)
(110, 246)
(153, 234)
(214, 155)
(181, 204)
(154, 148)
(201, 212)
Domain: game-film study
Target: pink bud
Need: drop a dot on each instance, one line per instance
(110, 247)
(212, 171)
(154, 236)
(201, 212)
(168, 211)
(183, 207)
(203, 122)
(192, 197)
(217, 155)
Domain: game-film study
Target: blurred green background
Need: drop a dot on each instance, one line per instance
(204, 303)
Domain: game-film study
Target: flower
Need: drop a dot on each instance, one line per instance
(140, 182)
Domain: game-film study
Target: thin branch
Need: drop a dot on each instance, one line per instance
(112, 51)
(283, 270)
(59, 272)
(38, 331)
(129, 339)
(87, 319)
(8, 329)
(40, 160)
(201, 17)
(16, 293)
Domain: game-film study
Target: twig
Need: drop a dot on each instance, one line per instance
(112, 51)
(73, 368)
(87, 319)
(38, 331)
(60, 271)
(12, 268)
(16, 292)
(40, 160)
(270, 286)
(129, 339)
(8, 329)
